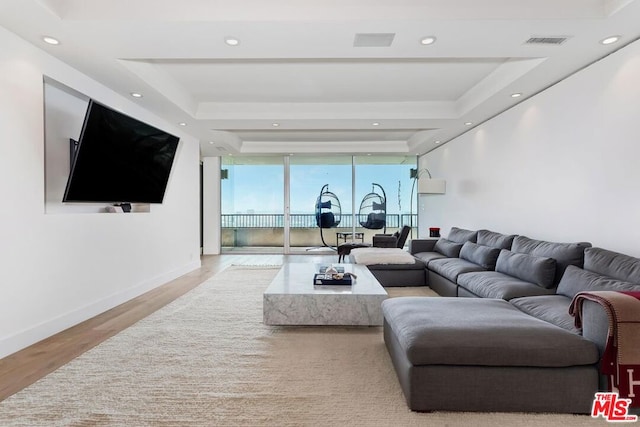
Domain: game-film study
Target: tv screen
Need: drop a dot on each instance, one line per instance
(119, 159)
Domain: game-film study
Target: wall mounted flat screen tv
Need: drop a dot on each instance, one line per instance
(119, 159)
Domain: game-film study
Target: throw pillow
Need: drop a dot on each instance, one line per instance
(448, 248)
(530, 268)
(483, 256)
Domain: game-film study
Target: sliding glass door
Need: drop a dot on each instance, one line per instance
(252, 204)
(310, 204)
(320, 201)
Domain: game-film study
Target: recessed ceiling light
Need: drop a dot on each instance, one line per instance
(211, 142)
(136, 95)
(375, 124)
(437, 142)
(275, 125)
(428, 40)
(516, 95)
(468, 123)
(51, 40)
(610, 40)
(232, 41)
(182, 124)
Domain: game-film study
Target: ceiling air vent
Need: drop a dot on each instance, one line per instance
(553, 40)
(373, 39)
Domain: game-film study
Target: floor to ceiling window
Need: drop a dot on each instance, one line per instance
(252, 204)
(307, 204)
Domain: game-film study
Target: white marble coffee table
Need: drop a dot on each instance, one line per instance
(292, 299)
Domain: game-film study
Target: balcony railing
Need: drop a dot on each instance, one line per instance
(306, 220)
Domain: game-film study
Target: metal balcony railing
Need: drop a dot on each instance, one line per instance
(306, 220)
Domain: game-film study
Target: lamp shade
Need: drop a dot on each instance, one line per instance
(431, 186)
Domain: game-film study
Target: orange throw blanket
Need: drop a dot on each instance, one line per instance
(621, 358)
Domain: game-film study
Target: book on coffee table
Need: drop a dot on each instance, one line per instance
(322, 268)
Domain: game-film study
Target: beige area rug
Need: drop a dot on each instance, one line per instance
(206, 359)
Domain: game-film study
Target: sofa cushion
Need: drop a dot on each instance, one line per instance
(495, 240)
(460, 235)
(493, 284)
(480, 332)
(565, 254)
(484, 256)
(427, 257)
(530, 268)
(577, 280)
(448, 248)
(612, 264)
(550, 308)
(450, 268)
(369, 256)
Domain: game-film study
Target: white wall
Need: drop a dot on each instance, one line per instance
(211, 205)
(560, 166)
(57, 270)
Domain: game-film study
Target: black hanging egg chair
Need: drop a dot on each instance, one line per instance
(373, 209)
(328, 211)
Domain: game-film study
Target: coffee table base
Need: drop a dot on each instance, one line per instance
(291, 299)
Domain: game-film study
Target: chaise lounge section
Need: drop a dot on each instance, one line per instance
(463, 354)
(385, 267)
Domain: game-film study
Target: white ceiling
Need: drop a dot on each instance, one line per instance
(297, 66)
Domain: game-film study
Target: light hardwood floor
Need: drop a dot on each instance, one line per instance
(25, 367)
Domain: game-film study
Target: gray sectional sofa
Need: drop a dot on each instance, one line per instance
(510, 344)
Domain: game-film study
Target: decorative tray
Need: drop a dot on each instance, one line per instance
(322, 279)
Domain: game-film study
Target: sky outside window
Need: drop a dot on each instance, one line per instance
(259, 189)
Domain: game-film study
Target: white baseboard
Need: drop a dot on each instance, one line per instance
(23, 339)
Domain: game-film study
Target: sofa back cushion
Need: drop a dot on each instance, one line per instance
(460, 235)
(530, 268)
(484, 256)
(495, 240)
(448, 248)
(612, 264)
(565, 254)
(577, 280)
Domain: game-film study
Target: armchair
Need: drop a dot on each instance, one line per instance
(395, 240)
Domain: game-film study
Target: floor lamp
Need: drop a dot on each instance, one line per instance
(425, 186)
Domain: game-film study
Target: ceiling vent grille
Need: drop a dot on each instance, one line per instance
(552, 40)
(373, 39)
